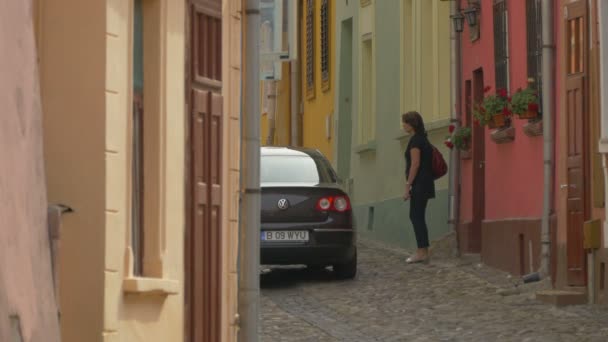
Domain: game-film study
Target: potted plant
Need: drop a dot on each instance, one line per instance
(524, 103)
(494, 110)
(459, 138)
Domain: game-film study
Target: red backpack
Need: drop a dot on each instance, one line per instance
(440, 167)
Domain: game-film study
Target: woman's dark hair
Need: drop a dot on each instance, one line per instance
(414, 119)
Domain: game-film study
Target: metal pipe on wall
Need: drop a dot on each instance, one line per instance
(548, 91)
(294, 103)
(249, 235)
(455, 74)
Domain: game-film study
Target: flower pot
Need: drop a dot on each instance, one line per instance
(527, 115)
(498, 121)
(465, 154)
(534, 128)
(503, 136)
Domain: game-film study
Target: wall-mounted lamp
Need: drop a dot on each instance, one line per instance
(471, 14)
(458, 20)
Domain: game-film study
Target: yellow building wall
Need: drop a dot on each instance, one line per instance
(132, 311)
(282, 134)
(232, 70)
(318, 108)
(72, 54)
(425, 51)
(84, 50)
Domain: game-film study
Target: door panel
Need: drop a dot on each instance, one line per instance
(478, 168)
(577, 147)
(204, 231)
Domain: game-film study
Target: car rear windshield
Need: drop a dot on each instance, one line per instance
(294, 169)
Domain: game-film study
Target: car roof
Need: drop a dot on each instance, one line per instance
(290, 151)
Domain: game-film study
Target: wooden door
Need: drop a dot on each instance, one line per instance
(479, 167)
(576, 133)
(203, 234)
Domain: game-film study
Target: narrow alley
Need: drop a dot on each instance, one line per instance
(447, 300)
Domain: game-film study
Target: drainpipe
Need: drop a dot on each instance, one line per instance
(454, 181)
(548, 94)
(271, 94)
(294, 103)
(249, 237)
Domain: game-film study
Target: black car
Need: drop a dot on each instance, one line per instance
(306, 216)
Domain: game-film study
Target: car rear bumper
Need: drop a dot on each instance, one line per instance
(325, 247)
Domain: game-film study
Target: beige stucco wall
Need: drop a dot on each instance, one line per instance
(27, 301)
(142, 316)
(86, 77)
(231, 70)
(72, 56)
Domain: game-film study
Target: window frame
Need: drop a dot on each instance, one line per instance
(501, 44)
(325, 14)
(310, 49)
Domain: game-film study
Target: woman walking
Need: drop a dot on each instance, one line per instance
(420, 184)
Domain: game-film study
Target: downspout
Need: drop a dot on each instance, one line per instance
(454, 180)
(548, 96)
(603, 143)
(294, 103)
(271, 94)
(249, 237)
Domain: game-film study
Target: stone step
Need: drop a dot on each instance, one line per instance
(562, 297)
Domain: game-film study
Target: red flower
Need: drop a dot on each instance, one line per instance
(451, 129)
(501, 92)
(487, 89)
(509, 99)
(506, 112)
(449, 144)
(533, 107)
(476, 123)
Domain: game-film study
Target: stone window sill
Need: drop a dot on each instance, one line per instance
(603, 146)
(369, 147)
(150, 286)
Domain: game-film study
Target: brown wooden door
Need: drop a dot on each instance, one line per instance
(576, 128)
(203, 234)
(479, 167)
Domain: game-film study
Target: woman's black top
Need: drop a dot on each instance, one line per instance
(424, 183)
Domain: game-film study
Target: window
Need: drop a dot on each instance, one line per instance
(145, 139)
(501, 50)
(325, 58)
(534, 41)
(310, 41)
(367, 122)
(292, 169)
(137, 140)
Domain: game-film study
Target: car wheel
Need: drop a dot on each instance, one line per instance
(347, 270)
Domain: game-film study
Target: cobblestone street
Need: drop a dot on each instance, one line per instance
(447, 300)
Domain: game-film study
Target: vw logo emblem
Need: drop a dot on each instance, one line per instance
(283, 204)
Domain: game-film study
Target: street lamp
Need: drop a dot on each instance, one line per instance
(471, 14)
(458, 22)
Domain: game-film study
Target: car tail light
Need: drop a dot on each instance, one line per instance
(334, 203)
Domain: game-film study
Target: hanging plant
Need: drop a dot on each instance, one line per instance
(494, 110)
(525, 102)
(459, 138)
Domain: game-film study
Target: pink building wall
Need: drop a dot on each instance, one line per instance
(514, 171)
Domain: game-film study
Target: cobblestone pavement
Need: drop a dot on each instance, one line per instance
(447, 300)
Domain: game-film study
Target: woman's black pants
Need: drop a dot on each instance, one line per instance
(418, 218)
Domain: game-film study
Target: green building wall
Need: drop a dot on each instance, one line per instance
(374, 172)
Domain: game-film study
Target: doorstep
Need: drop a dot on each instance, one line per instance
(559, 298)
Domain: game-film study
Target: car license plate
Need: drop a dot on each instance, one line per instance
(285, 235)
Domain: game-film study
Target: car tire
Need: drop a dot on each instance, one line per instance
(347, 270)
